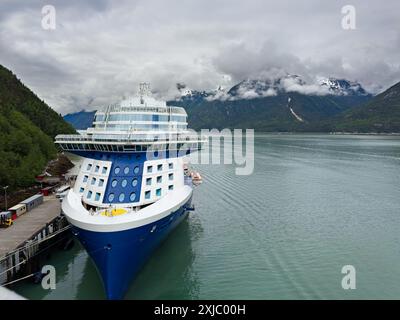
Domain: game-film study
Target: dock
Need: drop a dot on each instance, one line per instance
(23, 245)
(28, 224)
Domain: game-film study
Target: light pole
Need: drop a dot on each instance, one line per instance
(5, 196)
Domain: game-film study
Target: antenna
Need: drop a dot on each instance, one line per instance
(144, 90)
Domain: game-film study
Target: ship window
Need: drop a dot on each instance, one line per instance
(114, 183)
(117, 170)
(150, 169)
(93, 181)
(104, 170)
(136, 170)
(171, 176)
(132, 197)
(101, 182)
(89, 195)
(171, 187)
(81, 190)
(121, 197)
(159, 179)
(97, 198)
(96, 169)
(170, 165)
(111, 197)
(134, 182)
(126, 170)
(85, 178)
(124, 183)
(148, 181)
(158, 192)
(147, 194)
(89, 167)
(159, 167)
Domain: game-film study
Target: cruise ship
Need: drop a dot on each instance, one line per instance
(133, 187)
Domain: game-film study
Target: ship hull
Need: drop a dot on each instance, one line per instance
(119, 255)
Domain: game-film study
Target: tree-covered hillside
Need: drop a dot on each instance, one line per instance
(27, 128)
(381, 114)
(13, 93)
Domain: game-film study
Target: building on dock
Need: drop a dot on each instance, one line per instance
(18, 210)
(47, 190)
(33, 201)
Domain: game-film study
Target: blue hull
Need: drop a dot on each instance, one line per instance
(119, 255)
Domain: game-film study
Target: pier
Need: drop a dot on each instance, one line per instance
(25, 244)
(28, 224)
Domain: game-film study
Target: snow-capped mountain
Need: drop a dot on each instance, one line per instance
(293, 83)
(263, 103)
(343, 87)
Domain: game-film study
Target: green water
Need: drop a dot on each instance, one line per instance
(313, 204)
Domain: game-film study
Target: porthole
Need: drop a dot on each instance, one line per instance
(136, 170)
(114, 183)
(132, 197)
(121, 197)
(124, 183)
(126, 170)
(134, 182)
(117, 170)
(111, 197)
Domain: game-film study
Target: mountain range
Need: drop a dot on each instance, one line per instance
(286, 104)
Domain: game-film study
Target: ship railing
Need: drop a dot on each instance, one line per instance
(128, 138)
(158, 109)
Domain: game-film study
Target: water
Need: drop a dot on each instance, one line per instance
(314, 204)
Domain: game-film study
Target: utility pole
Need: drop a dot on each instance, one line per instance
(5, 196)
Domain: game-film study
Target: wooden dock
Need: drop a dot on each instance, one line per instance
(28, 224)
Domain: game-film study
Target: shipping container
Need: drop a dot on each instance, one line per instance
(33, 201)
(46, 191)
(18, 209)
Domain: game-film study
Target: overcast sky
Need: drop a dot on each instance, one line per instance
(100, 50)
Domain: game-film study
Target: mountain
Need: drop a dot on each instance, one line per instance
(343, 87)
(282, 104)
(27, 128)
(80, 120)
(381, 114)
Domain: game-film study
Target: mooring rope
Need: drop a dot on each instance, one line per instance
(23, 278)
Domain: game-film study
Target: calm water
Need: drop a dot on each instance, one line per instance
(313, 204)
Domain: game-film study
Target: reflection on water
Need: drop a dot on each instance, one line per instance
(313, 204)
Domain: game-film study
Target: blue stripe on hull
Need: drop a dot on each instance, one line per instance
(119, 255)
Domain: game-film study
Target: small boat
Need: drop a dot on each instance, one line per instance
(196, 178)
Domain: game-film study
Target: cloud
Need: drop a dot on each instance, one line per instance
(294, 85)
(101, 50)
